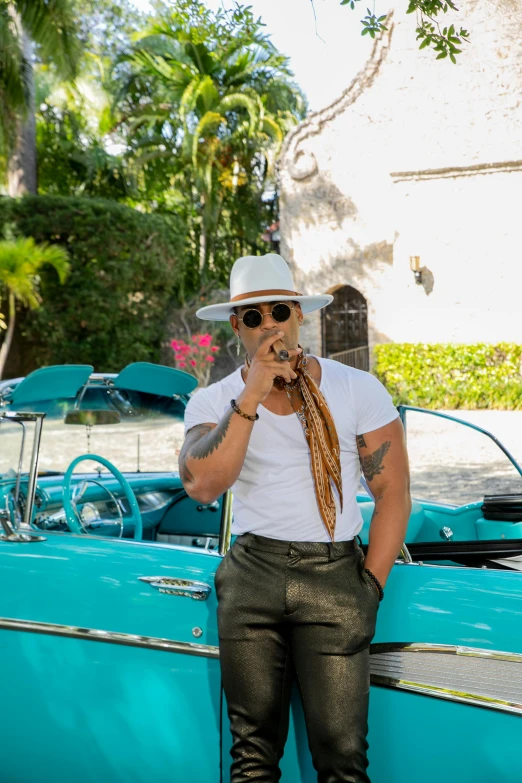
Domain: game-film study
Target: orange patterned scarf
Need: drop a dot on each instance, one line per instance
(319, 428)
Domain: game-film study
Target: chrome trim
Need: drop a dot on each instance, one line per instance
(463, 681)
(109, 637)
(20, 418)
(20, 538)
(404, 555)
(225, 530)
(188, 588)
(446, 533)
(20, 464)
(33, 472)
(76, 500)
(377, 677)
(11, 533)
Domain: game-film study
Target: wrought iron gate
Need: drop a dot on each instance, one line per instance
(345, 328)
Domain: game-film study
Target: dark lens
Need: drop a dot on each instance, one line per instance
(281, 312)
(252, 319)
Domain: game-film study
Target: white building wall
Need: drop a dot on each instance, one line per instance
(418, 157)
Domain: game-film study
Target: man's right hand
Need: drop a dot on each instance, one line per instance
(265, 368)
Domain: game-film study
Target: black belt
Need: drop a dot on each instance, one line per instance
(300, 548)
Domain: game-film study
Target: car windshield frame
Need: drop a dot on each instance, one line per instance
(132, 444)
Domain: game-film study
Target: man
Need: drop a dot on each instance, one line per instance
(296, 598)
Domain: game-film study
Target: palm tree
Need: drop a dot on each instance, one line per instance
(20, 262)
(24, 24)
(215, 99)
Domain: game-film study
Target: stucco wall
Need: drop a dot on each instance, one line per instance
(424, 158)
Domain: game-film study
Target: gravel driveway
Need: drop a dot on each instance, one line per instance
(455, 464)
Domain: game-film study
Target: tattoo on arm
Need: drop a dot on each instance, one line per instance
(373, 463)
(200, 442)
(361, 442)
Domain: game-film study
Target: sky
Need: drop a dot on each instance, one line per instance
(325, 53)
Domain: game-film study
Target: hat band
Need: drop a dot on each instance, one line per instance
(275, 292)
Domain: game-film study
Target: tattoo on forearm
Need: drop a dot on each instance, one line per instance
(361, 442)
(373, 463)
(200, 442)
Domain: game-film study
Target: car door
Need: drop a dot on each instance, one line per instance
(110, 667)
(446, 659)
(446, 663)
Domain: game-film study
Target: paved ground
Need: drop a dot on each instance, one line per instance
(455, 464)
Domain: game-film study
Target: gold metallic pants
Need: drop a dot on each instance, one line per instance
(303, 610)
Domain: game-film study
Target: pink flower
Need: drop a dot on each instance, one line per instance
(205, 340)
(182, 364)
(178, 356)
(175, 345)
(185, 348)
(194, 337)
(209, 359)
(215, 348)
(193, 362)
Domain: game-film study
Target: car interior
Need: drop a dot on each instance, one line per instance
(108, 467)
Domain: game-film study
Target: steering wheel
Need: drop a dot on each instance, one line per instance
(72, 520)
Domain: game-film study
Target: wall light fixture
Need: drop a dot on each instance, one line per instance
(416, 269)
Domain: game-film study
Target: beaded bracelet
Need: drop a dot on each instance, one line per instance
(376, 582)
(235, 407)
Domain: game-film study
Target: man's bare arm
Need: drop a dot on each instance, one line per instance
(384, 463)
(212, 456)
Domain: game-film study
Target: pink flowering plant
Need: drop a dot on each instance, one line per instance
(195, 357)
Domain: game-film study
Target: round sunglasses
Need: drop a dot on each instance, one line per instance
(280, 312)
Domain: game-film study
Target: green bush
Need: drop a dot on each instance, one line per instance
(452, 376)
(125, 274)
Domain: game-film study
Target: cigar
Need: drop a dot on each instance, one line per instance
(280, 350)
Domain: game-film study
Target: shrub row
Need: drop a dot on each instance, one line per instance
(451, 376)
(125, 273)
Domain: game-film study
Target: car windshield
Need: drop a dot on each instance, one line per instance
(136, 431)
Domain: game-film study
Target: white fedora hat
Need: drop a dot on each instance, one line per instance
(257, 279)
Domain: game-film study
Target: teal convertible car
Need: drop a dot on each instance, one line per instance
(109, 654)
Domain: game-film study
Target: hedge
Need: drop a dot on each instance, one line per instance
(125, 274)
(451, 376)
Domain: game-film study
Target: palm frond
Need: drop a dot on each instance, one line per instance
(20, 262)
(272, 129)
(51, 25)
(174, 73)
(209, 122)
(187, 101)
(239, 100)
(207, 92)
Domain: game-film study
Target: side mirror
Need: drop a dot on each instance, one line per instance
(92, 418)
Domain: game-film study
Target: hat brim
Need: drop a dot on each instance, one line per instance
(222, 312)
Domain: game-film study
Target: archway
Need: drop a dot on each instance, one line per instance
(345, 328)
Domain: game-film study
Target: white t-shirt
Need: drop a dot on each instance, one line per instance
(274, 495)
